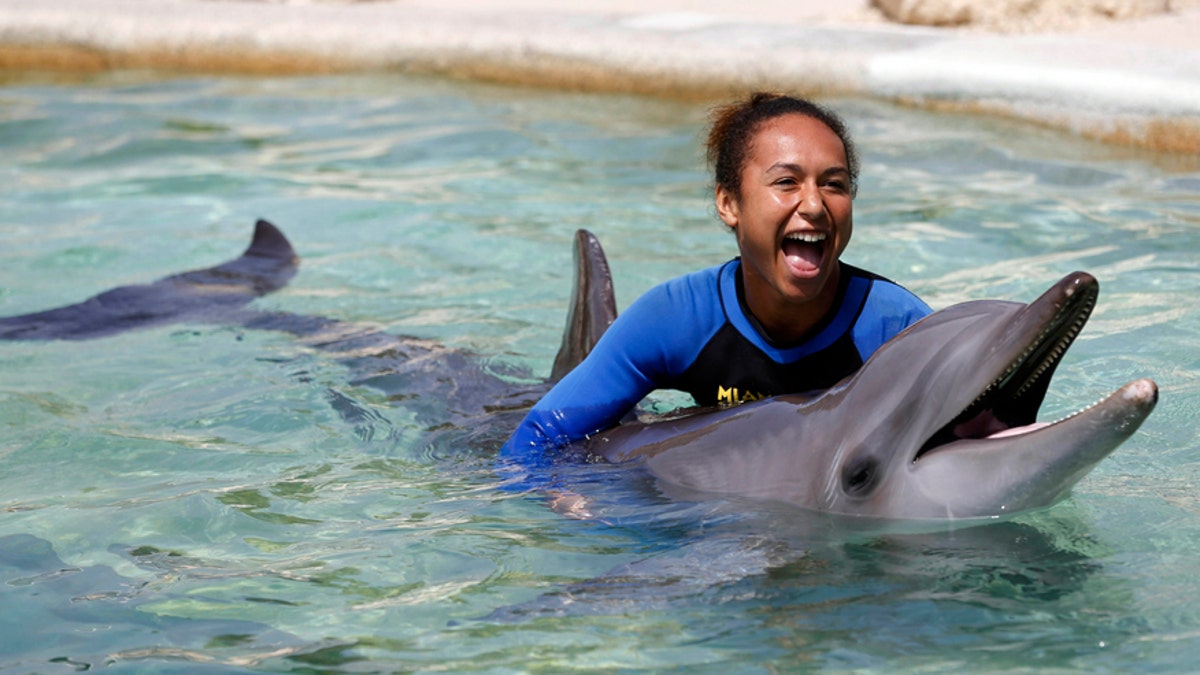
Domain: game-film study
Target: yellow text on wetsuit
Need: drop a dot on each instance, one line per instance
(732, 396)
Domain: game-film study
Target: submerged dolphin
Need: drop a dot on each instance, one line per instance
(200, 295)
(455, 394)
(938, 424)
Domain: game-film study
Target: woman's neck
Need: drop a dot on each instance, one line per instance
(787, 322)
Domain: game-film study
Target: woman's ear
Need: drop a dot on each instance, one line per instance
(727, 207)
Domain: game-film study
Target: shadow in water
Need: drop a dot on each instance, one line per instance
(823, 571)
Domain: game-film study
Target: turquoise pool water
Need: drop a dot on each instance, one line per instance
(201, 498)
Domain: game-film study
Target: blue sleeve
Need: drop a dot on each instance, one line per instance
(889, 309)
(651, 342)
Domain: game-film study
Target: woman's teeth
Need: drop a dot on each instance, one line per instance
(804, 250)
(806, 237)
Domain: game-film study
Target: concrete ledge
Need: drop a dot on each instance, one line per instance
(1089, 83)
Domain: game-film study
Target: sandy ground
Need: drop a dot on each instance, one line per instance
(1134, 81)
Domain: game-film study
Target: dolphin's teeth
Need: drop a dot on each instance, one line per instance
(1060, 347)
(1079, 412)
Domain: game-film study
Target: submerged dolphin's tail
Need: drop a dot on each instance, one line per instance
(593, 305)
(209, 294)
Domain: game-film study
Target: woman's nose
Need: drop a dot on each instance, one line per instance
(810, 203)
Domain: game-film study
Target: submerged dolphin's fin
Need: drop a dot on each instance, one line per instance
(593, 305)
(268, 242)
(267, 265)
(200, 295)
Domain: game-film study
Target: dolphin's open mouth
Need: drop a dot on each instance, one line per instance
(1012, 400)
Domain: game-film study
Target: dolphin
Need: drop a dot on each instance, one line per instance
(200, 295)
(940, 423)
(455, 394)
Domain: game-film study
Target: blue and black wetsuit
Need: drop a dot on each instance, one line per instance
(695, 334)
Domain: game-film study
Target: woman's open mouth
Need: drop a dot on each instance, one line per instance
(804, 251)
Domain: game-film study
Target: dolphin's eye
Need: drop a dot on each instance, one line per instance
(860, 476)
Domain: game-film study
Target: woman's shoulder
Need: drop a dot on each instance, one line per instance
(687, 305)
(702, 285)
(887, 293)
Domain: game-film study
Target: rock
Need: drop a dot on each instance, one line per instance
(1020, 15)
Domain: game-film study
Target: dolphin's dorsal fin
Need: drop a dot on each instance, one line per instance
(593, 305)
(266, 265)
(269, 242)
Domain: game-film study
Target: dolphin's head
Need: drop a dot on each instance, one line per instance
(954, 431)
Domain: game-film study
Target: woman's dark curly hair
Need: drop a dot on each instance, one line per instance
(734, 125)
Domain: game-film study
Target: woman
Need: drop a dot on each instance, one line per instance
(786, 316)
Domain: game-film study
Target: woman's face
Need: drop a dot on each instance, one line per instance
(794, 216)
